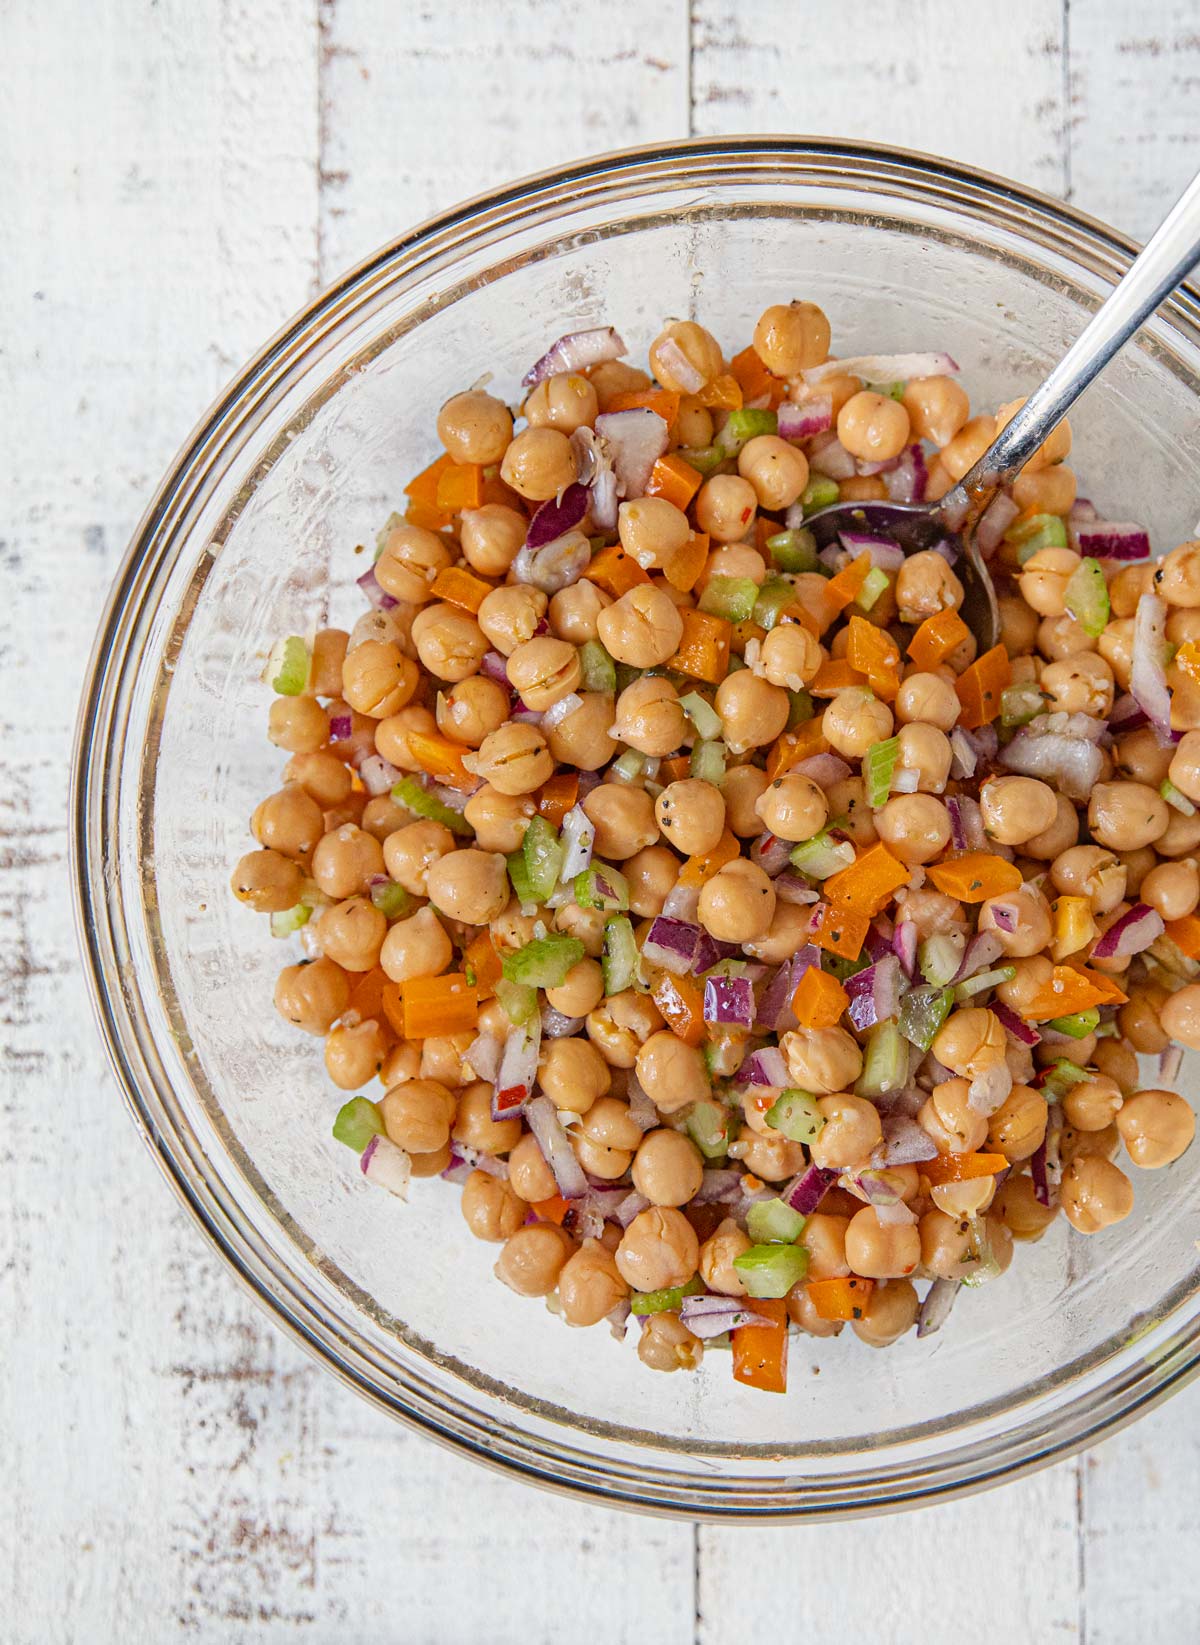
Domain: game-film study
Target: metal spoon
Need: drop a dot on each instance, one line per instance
(1167, 259)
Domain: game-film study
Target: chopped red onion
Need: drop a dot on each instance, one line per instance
(559, 711)
(595, 471)
(1108, 539)
(729, 999)
(554, 1143)
(983, 948)
(642, 1111)
(378, 775)
(617, 1318)
(341, 728)
(1008, 1018)
(907, 480)
(963, 763)
(576, 351)
(935, 1309)
(718, 1187)
(896, 1214)
(905, 780)
(687, 377)
(557, 516)
(775, 1004)
(713, 1316)
(671, 944)
(875, 992)
(1068, 763)
(631, 1206)
(990, 1090)
(805, 1192)
(791, 888)
(387, 1166)
(605, 502)
(878, 1185)
(1169, 1063)
(1129, 935)
(827, 455)
(1006, 915)
(518, 1069)
(766, 1066)
(556, 1025)
(376, 596)
(457, 1171)
(579, 839)
(995, 521)
(1082, 509)
(800, 422)
(904, 1141)
(1148, 676)
(683, 902)
(483, 1054)
(1127, 715)
(495, 667)
(884, 368)
(904, 941)
(958, 834)
(823, 769)
(525, 716)
(635, 439)
(771, 854)
(888, 556)
(554, 566)
(478, 1160)
(870, 471)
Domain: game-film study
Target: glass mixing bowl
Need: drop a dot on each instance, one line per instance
(251, 536)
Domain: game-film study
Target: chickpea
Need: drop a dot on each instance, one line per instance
(289, 822)
(1177, 578)
(948, 1248)
(754, 712)
(322, 776)
(879, 1250)
(442, 1060)
(681, 353)
(378, 679)
(690, 814)
(491, 537)
(566, 401)
(1093, 1104)
(613, 377)
(937, 408)
(624, 819)
(410, 852)
(573, 1074)
(777, 471)
(1172, 889)
(734, 560)
(1060, 639)
(499, 820)
(970, 1042)
(791, 337)
(491, 1208)
(1179, 1014)
(927, 699)
(949, 1118)
(1044, 577)
(1156, 1128)
(889, 1312)
(1015, 809)
(788, 932)
(1140, 756)
(774, 1158)
(643, 628)
(1114, 1058)
(659, 1250)
(1018, 1126)
(666, 1344)
(825, 1241)
(855, 721)
(671, 1073)
(352, 934)
(1017, 1206)
(449, 642)
(585, 923)
(793, 807)
(1081, 684)
(694, 425)
(925, 585)
(651, 873)
(1061, 835)
(1046, 491)
(539, 464)
(346, 861)
(411, 559)
(790, 656)
(652, 531)
(1125, 816)
(528, 1172)
(573, 611)
(543, 671)
(600, 1157)
(267, 881)
(417, 1115)
(961, 453)
(584, 738)
(392, 734)
(1184, 767)
(649, 717)
(873, 427)
(801, 1312)
(581, 990)
(469, 885)
(1140, 1019)
(717, 1257)
(416, 947)
(963, 1199)
(1180, 838)
(741, 788)
(821, 1060)
(312, 995)
(1053, 448)
(1090, 871)
(738, 903)
(852, 1129)
(725, 507)
(915, 827)
(475, 427)
(472, 709)
(515, 759)
(533, 1257)
(589, 1285)
(328, 654)
(847, 800)
(622, 1024)
(1095, 1194)
(667, 1168)
(1075, 1144)
(509, 618)
(355, 1053)
(298, 724)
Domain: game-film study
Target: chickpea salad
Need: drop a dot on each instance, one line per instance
(754, 955)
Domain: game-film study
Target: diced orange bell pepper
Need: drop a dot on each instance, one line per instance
(615, 571)
(819, 1000)
(482, 966)
(553, 1209)
(848, 584)
(840, 931)
(684, 568)
(874, 653)
(556, 797)
(1072, 989)
(427, 515)
(704, 649)
(460, 588)
(816, 608)
(760, 1351)
(754, 380)
(674, 769)
(937, 637)
(980, 686)
(840, 1298)
(961, 1167)
(835, 674)
(436, 1006)
(423, 487)
(975, 876)
(1187, 659)
(696, 870)
(791, 747)
(366, 995)
(869, 883)
(460, 486)
(393, 1007)
(663, 401)
(682, 1005)
(674, 480)
(495, 491)
(743, 633)
(1185, 934)
(441, 758)
(764, 529)
(724, 393)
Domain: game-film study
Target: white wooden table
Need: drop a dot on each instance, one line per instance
(176, 178)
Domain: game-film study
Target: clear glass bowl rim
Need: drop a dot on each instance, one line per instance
(1138, 1377)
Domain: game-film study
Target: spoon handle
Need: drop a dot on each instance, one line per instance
(1169, 256)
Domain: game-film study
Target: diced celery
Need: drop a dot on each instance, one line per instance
(664, 1302)
(597, 670)
(544, 962)
(620, 957)
(708, 762)
(290, 920)
(890, 391)
(875, 583)
(705, 460)
(1079, 1024)
(878, 765)
(797, 1115)
(1174, 797)
(801, 709)
(1038, 532)
(630, 767)
(922, 1013)
(982, 981)
(288, 666)
(1020, 703)
(939, 958)
(795, 550)
(702, 715)
(1062, 1076)
(389, 525)
(820, 492)
(392, 900)
(534, 869)
(626, 675)
(708, 1126)
(885, 1062)
(415, 798)
(771, 1270)
(745, 424)
(357, 1122)
(775, 595)
(1086, 597)
(730, 597)
(734, 666)
(822, 856)
(602, 887)
(773, 1222)
(518, 1000)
